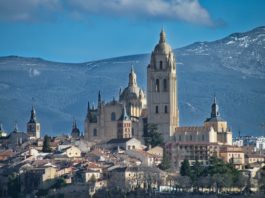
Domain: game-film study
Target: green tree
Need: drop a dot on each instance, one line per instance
(185, 169)
(59, 183)
(196, 170)
(13, 185)
(152, 136)
(46, 144)
(195, 173)
(165, 164)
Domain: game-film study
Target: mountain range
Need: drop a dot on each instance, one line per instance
(232, 68)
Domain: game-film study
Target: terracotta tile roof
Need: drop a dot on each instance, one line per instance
(6, 154)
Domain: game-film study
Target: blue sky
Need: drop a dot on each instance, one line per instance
(84, 30)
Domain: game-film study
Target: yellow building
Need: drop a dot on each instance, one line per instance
(200, 142)
(162, 94)
(72, 152)
(254, 158)
(234, 155)
(102, 122)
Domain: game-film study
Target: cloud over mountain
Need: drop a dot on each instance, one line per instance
(177, 10)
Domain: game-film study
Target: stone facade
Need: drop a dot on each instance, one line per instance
(201, 142)
(162, 89)
(215, 130)
(233, 155)
(33, 126)
(104, 122)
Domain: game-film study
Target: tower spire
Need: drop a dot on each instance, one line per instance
(74, 124)
(215, 108)
(88, 106)
(162, 36)
(132, 77)
(33, 118)
(1, 127)
(16, 127)
(124, 115)
(99, 97)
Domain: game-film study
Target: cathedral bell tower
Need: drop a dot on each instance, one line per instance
(33, 126)
(162, 89)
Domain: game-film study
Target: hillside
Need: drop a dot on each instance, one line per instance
(233, 68)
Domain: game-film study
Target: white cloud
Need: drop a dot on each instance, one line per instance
(184, 10)
(27, 10)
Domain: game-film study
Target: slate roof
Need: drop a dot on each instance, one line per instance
(193, 129)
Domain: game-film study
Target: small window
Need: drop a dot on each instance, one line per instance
(157, 109)
(161, 65)
(157, 85)
(95, 133)
(165, 84)
(166, 109)
(113, 116)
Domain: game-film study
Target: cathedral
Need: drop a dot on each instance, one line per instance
(105, 121)
(126, 117)
(121, 118)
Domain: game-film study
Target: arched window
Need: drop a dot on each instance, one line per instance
(113, 116)
(165, 84)
(157, 109)
(95, 132)
(161, 65)
(157, 85)
(166, 109)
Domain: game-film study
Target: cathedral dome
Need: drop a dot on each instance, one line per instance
(162, 47)
(131, 92)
